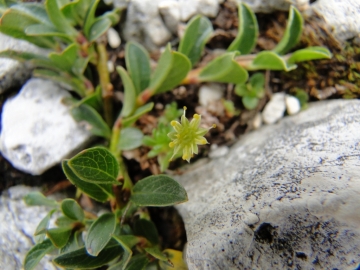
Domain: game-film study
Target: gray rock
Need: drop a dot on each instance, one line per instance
(18, 224)
(342, 15)
(144, 24)
(190, 8)
(170, 13)
(37, 128)
(268, 6)
(14, 73)
(274, 109)
(285, 197)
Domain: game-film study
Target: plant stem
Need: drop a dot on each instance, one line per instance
(106, 86)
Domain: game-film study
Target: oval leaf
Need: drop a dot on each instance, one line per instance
(197, 33)
(147, 229)
(98, 28)
(35, 254)
(127, 242)
(130, 138)
(80, 259)
(250, 102)
(170, 71)
(95, 165)
(248, 31)
(270, 60)
(37, 198)
(311, 53)
(66, 59)
(156, 253)
(58, 19)
(72, 209)
(90, 17)
(96, 123)
(59, 236)
(224, 69)
(129, 92)
(99, 192)
(100, 234)
(138, 65)
(158, 190)
(138, 262)
(292, 33)
(137, 114)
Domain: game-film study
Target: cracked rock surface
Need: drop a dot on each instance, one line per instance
(285, 197)
(18, 224)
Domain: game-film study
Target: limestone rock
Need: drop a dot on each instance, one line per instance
(144, 24)
(190, 8)
(209, 93)
(292, 105)
(286, 196)
(342, 15)
(274, 109)
(14, 73)
(18, 224)
(268, 6)
(37, 128)
(170, 12)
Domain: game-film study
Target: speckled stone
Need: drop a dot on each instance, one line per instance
(286, 196)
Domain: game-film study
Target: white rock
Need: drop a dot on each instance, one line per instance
(14, 73)
(274, 109)
(190, 8)
(110, 66)
(292, 105)
(113, 38)
(342, 15)
(19, 223)
(144, 24)
(257, 122)
(37, 128)
(218, 151)
(118, 3)
(268, 6)
(209, 93)
(170, 12)
(285, 197)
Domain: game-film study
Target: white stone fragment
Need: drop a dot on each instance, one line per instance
(110, 66)
(274, 109)
(268, 6)
(170, 12)
(283, 197)
(144, 24)
(113, 38)
(14, 73)
(342, 15)
(190, 8)
(257, 122)
(38, 130)
(209, 93)
(292, 105)
(218, 151)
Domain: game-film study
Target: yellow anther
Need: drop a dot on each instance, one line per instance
(171, 144)
(196, 116)
(173, 123)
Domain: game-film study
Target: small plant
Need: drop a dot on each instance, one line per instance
(126, 238)
(252, 91)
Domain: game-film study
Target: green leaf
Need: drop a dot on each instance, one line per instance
(257, 82)
(270, 60)
(80, 259)
(129, 92)
(42, 227)
(100, 234)
(156, 252)
(35, 254)
(96, 124)
(138, 262)
(72, 209)
(147, 229)
(93, 100)
(310, 53)
(35, 10)
(197, 33)
(98, 28)
(59, 236)
(292, 33)
(75, 11)
(58, 19)
(158, 190)
(41, 30)
(90, 18)
(247, 35)
(127, 242)
(230, 71)
(95, 165)
(250, 102)
(138, 65)
(73, 242)
(64, 221)
(98, 192)
(137, 114)
(37, 198)
(172, 68)
(66, 59)
(130, 138)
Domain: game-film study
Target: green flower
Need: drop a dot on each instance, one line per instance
(187, 136)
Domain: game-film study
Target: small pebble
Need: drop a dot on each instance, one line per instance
(110, 66)
(209, 93)
(274, 109)
(257, 122)
(113, 38)
(292, 105)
